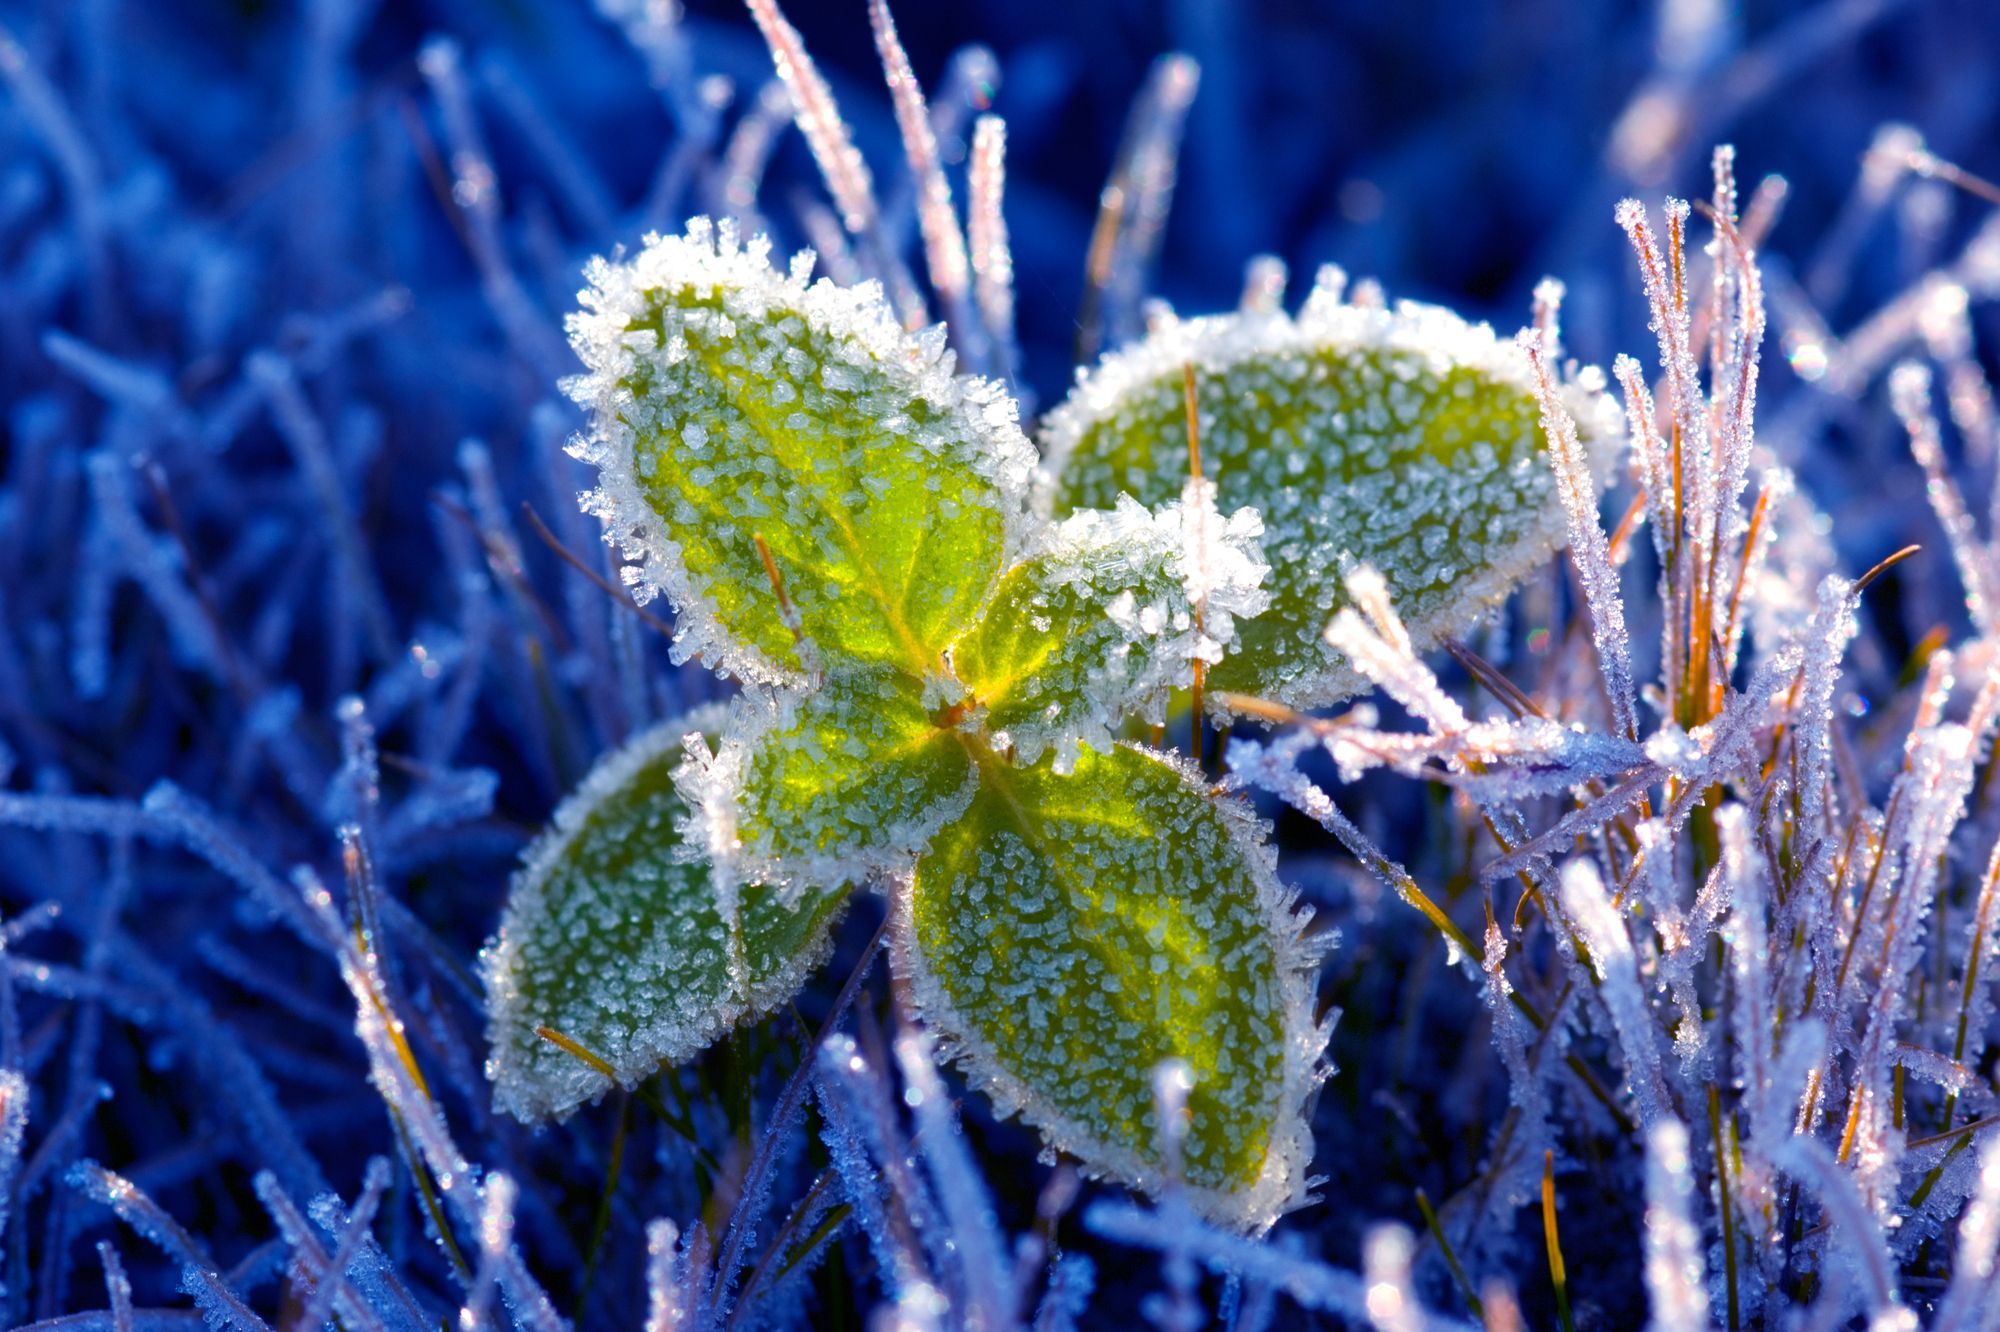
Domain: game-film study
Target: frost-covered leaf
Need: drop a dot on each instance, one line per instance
(827, 786)
(1407, 439)
(1069, 933)
(730, 401)
(1105, 618)
(615, 939)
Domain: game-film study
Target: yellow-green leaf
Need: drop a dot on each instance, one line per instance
(1105, 618)
(1405, 438)
(830, 786)
(1070, 933)
(615, 939)
(731, 402)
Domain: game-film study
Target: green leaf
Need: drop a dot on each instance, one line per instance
(831, 786)
(1105, 619)
(1070, 933)
(1406, 439)
(730, 402)
(615, 939)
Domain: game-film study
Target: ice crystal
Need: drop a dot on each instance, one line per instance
(248, 474)
(618, 943)
(1589, 906)
(1407, 439)
(1070, 931)
(1312, 1285)
(733, 404)
(829, 786)
(1674, 1276)
(1103, 619)
(1789, 946)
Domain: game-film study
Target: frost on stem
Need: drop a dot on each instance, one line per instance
(618, 940)
(1598, 921)
(730, 401)
(828, 787)
(1978, 564)
(1070, 933)
(1403, 438)
(1674, 1272)
(1105, 618)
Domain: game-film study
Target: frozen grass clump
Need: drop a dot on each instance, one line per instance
(308, 650)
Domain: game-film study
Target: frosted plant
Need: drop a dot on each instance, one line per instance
(1404, 438)
(936, 675)
(597, 917)
(934, 681)
(1754, 911)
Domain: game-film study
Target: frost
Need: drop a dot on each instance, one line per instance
(1597, 921)
(619, 943)
(1978, 564)
(732, 403)
(1071, 932)
(1407, 439)
(1589, 550)
(1674, 1276)
(1807, 1161)
(986, 234)
(1978, 1243)
(1310, 1284)
(1104, 618)
(829, 787)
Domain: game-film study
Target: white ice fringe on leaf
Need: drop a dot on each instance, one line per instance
(1281, 1183)
(1222, 565)
(1434, 337)
(717, 786)
(1171, 582)
(975, 419)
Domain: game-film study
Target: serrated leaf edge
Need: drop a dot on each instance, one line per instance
(1283, 1184)
(515, 1090)
(709, 255)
